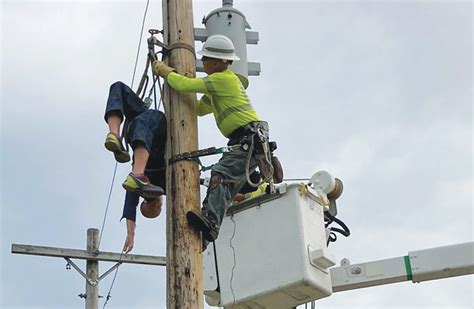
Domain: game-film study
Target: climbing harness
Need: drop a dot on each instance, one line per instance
(258, 140)
(254, 139)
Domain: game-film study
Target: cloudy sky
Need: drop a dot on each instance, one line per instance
(379, 93)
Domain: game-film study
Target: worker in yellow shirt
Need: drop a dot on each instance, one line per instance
(225, 97)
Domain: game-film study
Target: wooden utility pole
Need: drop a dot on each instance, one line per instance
(92, 255)
(184, 260)
(92, 270)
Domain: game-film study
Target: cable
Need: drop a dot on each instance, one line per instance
(345, 230)
(154, 93)
(233, 266)
(139, 43)
(161, 88)
(107, 207)
(342, 232)
(113, 281)
(332, 238)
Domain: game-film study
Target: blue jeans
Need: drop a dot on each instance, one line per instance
(144, 125)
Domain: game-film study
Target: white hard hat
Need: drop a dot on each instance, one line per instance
(219, 46)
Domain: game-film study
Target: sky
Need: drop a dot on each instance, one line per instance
(379, 93)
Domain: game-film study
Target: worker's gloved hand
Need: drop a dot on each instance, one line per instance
(162, 69)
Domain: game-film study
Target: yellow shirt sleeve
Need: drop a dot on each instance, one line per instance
(186, 84)
(204, 106)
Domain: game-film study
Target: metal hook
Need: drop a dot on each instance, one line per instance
(154, 31)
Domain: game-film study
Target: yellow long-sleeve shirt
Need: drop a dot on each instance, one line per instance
(224, 96)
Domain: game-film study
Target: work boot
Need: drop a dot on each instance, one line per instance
(198, 221)
(140, 184)
(114, 143)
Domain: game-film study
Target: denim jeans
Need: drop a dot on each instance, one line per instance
(143, 125)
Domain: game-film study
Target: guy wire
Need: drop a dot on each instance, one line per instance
(235, 264)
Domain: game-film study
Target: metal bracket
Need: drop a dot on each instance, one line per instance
(200, 34)
(84, 296)
(316, 195)
(110, 270)
(90, 281)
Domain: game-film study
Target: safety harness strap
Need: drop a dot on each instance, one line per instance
(201, 153)
(179, 45)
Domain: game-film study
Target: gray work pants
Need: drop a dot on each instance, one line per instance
(231, 170)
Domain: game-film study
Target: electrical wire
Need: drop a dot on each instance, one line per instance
(107, 207)
(113, 281)
(344, 231)
(234, 265)
(139, 43)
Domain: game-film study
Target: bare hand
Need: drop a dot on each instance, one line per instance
(128, 246)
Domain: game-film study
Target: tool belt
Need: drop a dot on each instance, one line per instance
(255, 135)
(258, 130)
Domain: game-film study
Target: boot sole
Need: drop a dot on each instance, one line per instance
(144, 194)
(196, 222)
(120, 155)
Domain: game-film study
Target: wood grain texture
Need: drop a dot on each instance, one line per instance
(184, 259)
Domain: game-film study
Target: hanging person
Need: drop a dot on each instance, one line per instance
(225, 97)
(146, 133)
